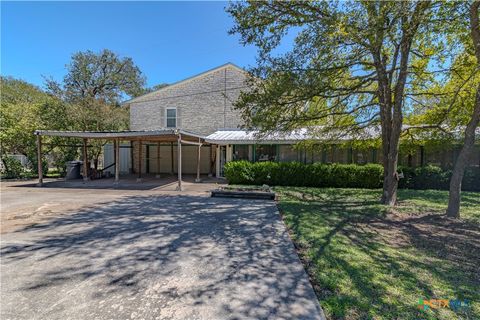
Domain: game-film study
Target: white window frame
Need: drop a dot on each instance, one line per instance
(166, 116)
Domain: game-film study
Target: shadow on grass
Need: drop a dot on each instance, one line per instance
(366, 263)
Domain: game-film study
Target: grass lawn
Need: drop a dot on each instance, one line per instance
(370, 263)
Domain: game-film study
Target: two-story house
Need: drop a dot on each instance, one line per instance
(203, 105)
(191, 127)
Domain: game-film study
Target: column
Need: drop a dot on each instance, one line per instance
(85, 161)
(179, 162)
(158, 161)
(198, 161)
(117, 160)
(39, 159)
(139, 179)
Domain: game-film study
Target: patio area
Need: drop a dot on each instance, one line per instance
(166, 182)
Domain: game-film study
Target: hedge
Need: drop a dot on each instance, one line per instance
(367, 176)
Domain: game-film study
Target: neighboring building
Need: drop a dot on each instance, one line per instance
(203, 105)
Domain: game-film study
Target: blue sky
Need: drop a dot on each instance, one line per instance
(169, 41)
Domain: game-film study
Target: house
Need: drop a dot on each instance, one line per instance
(191, 127)
(203, 105)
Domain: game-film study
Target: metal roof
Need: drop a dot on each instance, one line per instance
(245, 137)
(236, 136)
(117, 134)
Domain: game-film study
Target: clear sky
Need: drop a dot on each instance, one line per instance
(169, 41)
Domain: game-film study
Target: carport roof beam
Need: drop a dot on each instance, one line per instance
(127, 135)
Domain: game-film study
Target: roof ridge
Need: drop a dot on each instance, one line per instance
(184, 80)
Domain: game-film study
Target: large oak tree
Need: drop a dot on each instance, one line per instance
(353, 66)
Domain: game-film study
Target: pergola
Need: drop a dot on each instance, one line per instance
(165, 135)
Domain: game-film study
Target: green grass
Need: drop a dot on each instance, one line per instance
(369, 262)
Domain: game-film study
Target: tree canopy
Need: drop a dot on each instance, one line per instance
(100, 76)
(353, 65)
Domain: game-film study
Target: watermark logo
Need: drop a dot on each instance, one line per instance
(454, 304)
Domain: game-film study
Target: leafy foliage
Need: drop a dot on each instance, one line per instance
(13, 169)
(342, 175)
(102, 76)
(21, 107)
(433, 177)
(86, 100)
(299, 174)
(353, 65)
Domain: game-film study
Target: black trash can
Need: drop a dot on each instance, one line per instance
(73, 170)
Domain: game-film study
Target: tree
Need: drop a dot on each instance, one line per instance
(93, 87)
(102, 76)
(19, 117)
(353, 65)
(453, 209)
(155, 87)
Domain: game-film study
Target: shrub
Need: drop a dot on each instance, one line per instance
(367, 176)
(298, 174)
(13, 168)
(471, 179)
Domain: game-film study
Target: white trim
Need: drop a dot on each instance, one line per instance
(226, 65)
(166, 117)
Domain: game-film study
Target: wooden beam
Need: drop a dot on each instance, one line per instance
(179, 162)
(39, 159)
(192, 142)
(85, 160)
(117, 160)
(198, 161)
(139, 179)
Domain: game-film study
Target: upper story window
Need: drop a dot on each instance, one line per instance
(171, 118)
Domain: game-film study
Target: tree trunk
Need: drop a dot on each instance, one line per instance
(390, 181)
(453, 209)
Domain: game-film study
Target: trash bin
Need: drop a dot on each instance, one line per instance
(73, 170)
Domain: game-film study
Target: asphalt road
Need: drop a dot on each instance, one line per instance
(155, 257)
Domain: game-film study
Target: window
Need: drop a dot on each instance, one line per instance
(265, 153)
(171, 118)
(240, 152)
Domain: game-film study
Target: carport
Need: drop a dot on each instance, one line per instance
(166, 135)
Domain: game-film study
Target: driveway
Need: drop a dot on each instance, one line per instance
(156, 256)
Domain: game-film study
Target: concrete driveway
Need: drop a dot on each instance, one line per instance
(156, 257)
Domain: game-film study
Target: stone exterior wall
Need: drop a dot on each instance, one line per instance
(204, 103)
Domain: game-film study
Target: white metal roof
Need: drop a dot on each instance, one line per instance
(236, 136)
(246, 137)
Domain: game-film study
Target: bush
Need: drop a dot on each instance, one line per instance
(13, 168)
(367, 176)
(298, 174)
(471, 179)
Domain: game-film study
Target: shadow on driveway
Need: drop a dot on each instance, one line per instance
(165, 257)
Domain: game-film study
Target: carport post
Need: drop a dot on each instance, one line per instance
(198, 161)
(85, 160)
(117, 160)
(179, 162)
(39, 159)
(139, 179)
(158, 160)
(171, 158)
(217, 161)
